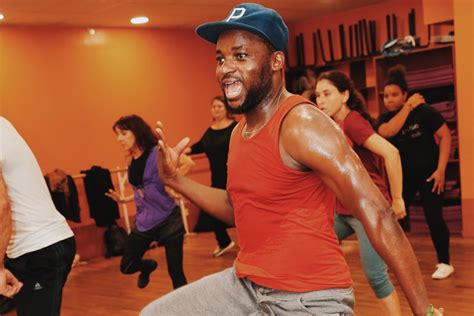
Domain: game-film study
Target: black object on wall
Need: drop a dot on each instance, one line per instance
(323, 54)
(342, 41)
(395, 26)
(303, 59)
(373, 36)
(331, 50)
(351, 44)
(356, 33)
(361, 38)
(389, 28)
(298, 53)
(412, 22)
(315, 48)
(300, 50)
(366, 37)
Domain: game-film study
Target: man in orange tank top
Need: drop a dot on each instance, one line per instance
(287, 164)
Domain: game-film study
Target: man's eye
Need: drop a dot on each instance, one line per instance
(220, 60)
(241, 56)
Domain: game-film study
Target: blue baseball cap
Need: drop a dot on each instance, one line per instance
(251, 17)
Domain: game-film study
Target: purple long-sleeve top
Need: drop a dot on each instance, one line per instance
(154, 205)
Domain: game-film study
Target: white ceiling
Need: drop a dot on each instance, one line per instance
(162, 13)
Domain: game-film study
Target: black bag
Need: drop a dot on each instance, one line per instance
(115, 238)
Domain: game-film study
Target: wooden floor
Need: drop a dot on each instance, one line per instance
(98, 287)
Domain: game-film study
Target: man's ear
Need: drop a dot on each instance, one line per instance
(278, 61)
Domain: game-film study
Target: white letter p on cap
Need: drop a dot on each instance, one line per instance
(236, 13)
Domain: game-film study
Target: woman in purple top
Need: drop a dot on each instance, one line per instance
(158, 217)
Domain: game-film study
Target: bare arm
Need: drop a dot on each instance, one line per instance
(5, 219)
(215, 201)
(392, 127)
(444, 150)
(311, 140)
(393, 165)
(9, 285)
(114, 195)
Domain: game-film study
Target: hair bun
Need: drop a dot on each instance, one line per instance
(397, 71)
(396, 76)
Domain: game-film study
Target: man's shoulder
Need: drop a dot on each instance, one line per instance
(305, 113)
(305, 122)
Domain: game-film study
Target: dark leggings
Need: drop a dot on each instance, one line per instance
(219, 227)
(220, 231)
(432, 204)
(170, 235)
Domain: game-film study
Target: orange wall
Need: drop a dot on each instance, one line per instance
(437, 11)
(63, 88)
(464, 30)
(400, 8)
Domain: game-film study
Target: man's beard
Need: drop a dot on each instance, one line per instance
(256, 93)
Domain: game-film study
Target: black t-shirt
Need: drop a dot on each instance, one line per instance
(137, 168)
(415, 141)
(215, 143)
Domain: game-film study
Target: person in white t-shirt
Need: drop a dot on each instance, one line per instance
(36, 239)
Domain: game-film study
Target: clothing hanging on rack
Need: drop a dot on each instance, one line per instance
(64, 194)
(103, 210)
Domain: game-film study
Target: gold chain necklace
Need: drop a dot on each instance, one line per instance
(250, 132)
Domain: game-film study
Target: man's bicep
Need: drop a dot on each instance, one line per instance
(322, 147)
(347, 177)
(316, 143)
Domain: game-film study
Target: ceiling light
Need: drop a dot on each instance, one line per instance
(1, 16)
(139, 20)
(91, 31)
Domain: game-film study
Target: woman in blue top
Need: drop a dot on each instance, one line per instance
(158, 217)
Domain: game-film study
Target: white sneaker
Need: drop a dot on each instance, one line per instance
(443, 271)
(221, 251)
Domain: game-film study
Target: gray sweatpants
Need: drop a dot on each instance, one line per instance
(224, 293)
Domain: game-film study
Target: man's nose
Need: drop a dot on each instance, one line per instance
(227, 66)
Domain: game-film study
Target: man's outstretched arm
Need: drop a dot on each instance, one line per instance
(310, 140)
(214, 201)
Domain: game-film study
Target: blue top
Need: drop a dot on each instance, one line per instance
(154, 205)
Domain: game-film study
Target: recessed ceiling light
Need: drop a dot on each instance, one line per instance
(139, 20)
(91, 31)
(1, 16)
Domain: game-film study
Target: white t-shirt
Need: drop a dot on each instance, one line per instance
(36, 223)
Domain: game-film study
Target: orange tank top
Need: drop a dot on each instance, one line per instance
(284, 217)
